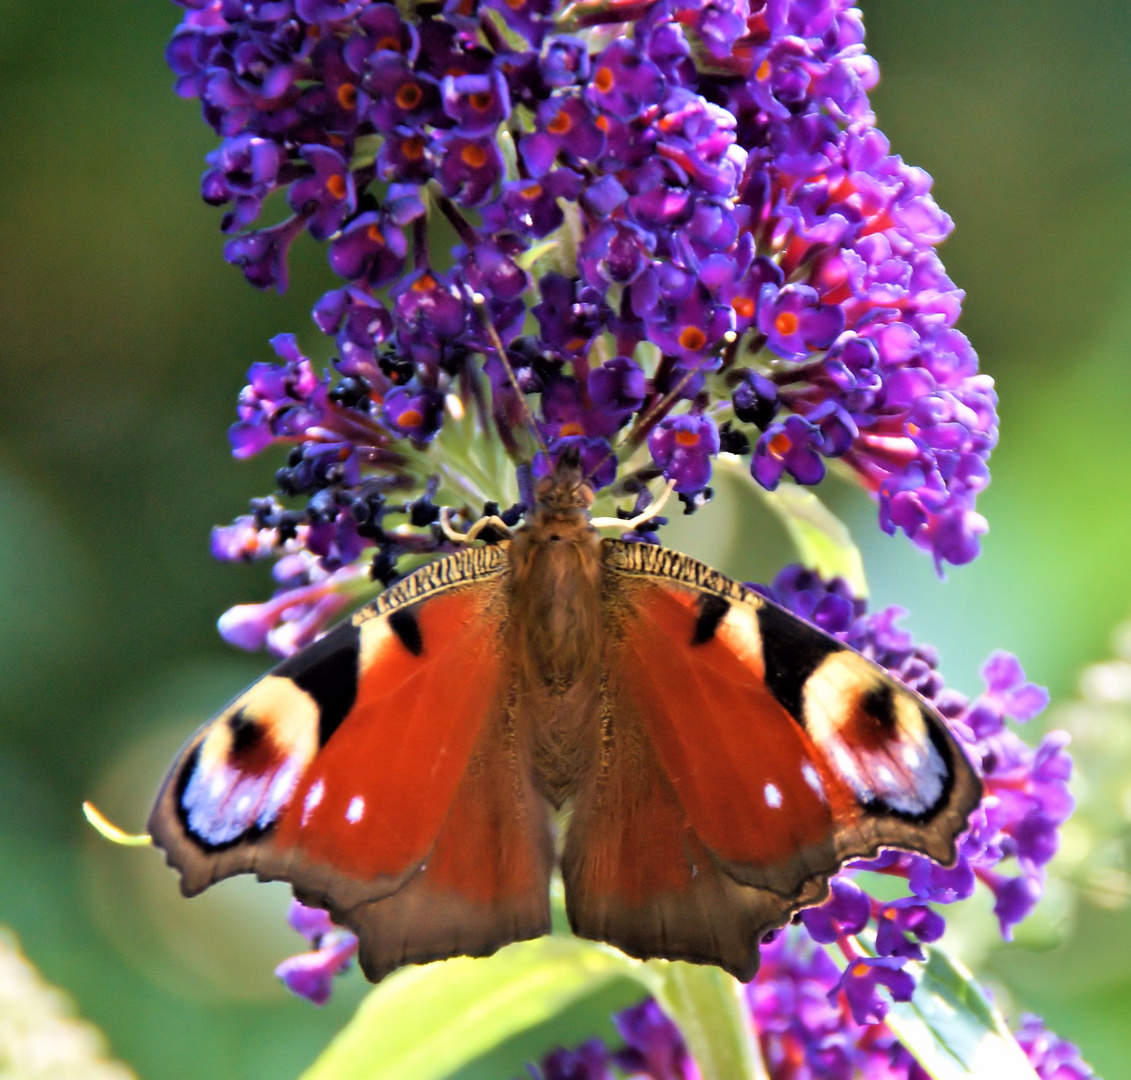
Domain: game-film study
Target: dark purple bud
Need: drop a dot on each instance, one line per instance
(262, 255)
(756, 399)
(565, 61)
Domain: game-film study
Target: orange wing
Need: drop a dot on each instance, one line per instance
(747, 756)
(377, 771)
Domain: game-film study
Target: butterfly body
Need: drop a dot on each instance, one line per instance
(719, 758)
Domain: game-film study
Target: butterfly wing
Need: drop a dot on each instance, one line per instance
(748, 756)
(377, 771)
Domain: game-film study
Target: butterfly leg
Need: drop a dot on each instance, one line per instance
(645, 515)
(492, 522)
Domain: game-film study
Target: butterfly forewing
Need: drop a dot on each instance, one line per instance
(772, 754)
(378, 760)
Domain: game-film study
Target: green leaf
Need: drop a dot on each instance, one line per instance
(709, 1008)
(953, 1029)
(424, 1023)
(822, 540)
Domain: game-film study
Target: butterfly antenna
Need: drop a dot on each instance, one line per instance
(480, 303)
(645, 515)
(109, 831)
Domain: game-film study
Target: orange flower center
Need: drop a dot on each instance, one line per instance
(412, 148)
(474, 156)
(692, 338)
(786, 323)
(559, 125)
(388, 42)
(481, 102)
(410, 418)
(604, 79)
(532, 192)
(743, 306)
(859, 970)
(780, 445)
(686, 438)
(764, 71)
(572, 428)
(375, 235)
(347, 96)
(409, 96)
(424, 283)
(336, 185)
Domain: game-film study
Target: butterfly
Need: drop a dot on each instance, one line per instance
(695, 760)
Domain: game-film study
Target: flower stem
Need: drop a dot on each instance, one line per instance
(709, 1008)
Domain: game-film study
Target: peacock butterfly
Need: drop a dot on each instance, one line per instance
(718, 757)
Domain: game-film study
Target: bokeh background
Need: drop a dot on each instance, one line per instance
(123, 343)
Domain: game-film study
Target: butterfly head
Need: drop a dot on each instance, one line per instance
(564, 493)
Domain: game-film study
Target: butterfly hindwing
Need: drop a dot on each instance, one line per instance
(350, 769)
(777, 754)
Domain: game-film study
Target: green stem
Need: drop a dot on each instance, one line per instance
(709, 1008)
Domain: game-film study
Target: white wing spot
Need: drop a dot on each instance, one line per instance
(885, 776)
(773, 796)
(243, 804)
(813, 779)
(911, 757)
(355, 809)
(313, 798)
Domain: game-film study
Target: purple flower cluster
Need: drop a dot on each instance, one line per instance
(806, 1030)
(677, 228)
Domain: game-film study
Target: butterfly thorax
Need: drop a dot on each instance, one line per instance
(555, 628)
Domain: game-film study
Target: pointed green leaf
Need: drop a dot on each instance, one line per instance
(424, 1023)
(952, 1028)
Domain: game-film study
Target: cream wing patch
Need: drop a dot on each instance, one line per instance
(249, 762)
(875, 734)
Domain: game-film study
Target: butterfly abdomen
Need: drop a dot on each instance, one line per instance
(555, 627)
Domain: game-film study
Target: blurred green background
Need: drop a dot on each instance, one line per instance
(123, 343)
